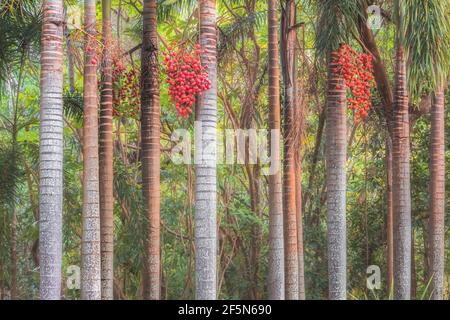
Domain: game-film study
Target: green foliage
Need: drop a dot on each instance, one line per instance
(10, 173)
(20, 22)
(426, 37)
(242, 46)
(73, 105)
(336, 23)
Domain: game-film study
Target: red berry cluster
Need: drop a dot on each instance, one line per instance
(126, 89)
(186, 77)
(89, 50)
(357, 71)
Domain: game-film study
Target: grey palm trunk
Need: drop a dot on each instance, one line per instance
(437, 195)
(205, 159)
(401, 182)
(51, 151)
(90, 242)
(336, 157)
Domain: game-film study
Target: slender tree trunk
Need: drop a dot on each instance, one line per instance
(256, 239)
(205, 184)
(276, 248)
(2, 282)
(288, 37)
(437, 195)
(384, 88)
(150, 134)
(106, 159)
(336, 155)
(14, 255)
(390, 217)
(70, 66)
(298, 199)
(401, 183)
(90, 246)
(413, 267)
(315, 157)
(51, 151)
(300, 114)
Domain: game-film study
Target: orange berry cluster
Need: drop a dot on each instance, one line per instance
(186, 77)
(357, 71)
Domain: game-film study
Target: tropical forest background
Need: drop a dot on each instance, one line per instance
(242, 190)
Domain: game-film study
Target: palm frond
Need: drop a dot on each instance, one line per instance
(167, 8)
(230, 32)
(73, 105)
(337, 22)
(21, 26)
(425, 32)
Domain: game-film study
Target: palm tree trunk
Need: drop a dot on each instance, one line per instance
(90, 247)
(437, 195)
(288, 40)
(150, 145)
(51, 151)
(401, 183)
(389, 218)
(205, 185)
(336, 155)
(276, 248)
(300, 250)
(106, 159)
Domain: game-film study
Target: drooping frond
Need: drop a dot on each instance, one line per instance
(230, 32)
(73, 105)
(167, 8)
(336, 23)
(16, 7)
(20, 25)
(425, 32)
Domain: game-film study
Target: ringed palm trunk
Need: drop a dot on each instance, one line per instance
(401, 182)
(51, 151)
(276, 248)
(336, 155)
(437, 195)
(106, 160)
(205, 184)
(289, 196)
(150, 145)
(90, 246)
